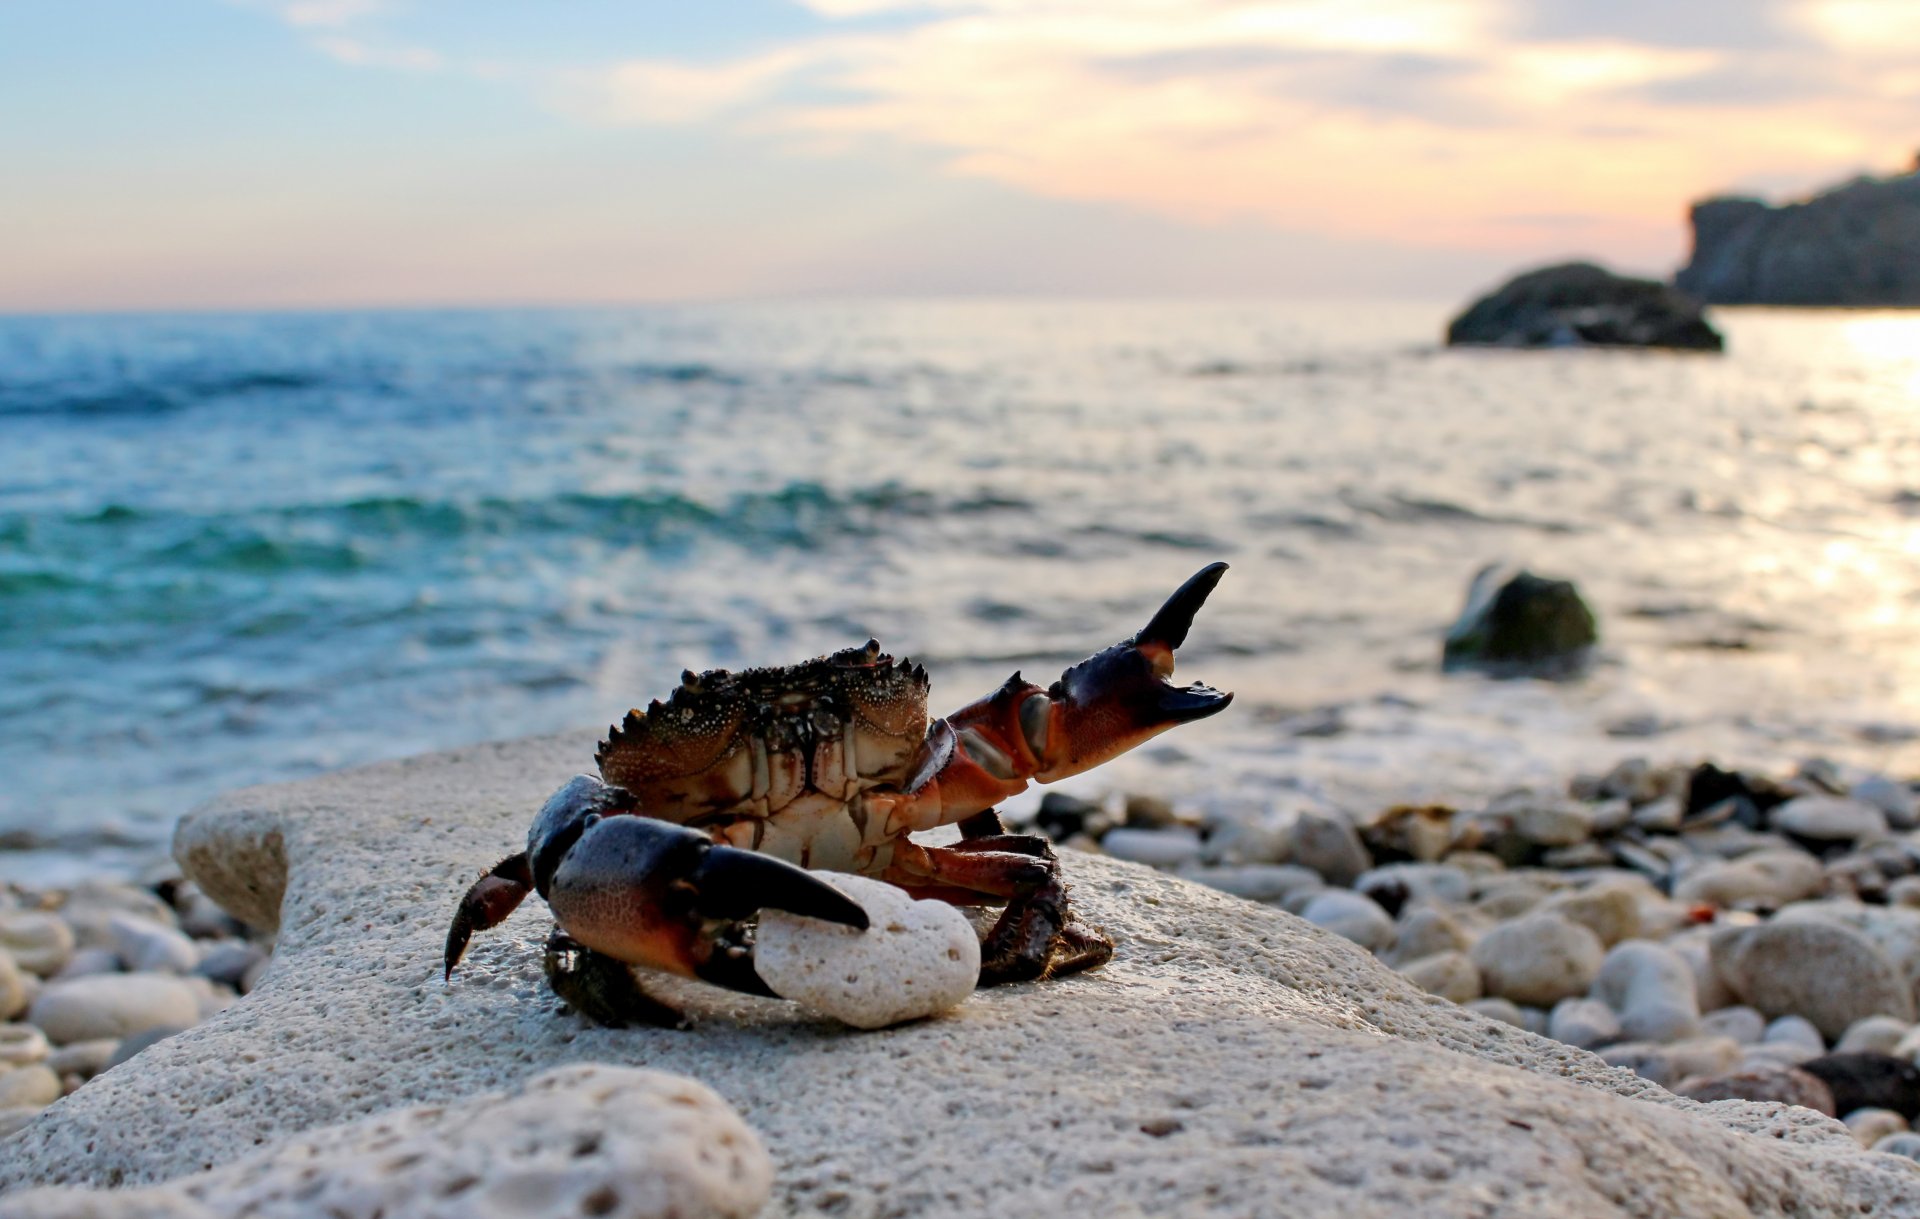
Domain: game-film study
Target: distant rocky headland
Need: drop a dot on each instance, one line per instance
(1857, 244)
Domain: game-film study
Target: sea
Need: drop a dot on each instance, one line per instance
(240, 549)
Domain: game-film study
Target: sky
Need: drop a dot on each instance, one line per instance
(209, 154)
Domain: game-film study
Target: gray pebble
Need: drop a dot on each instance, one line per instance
(1352, 915)
(1741, 1023)
(1169, 848)
(89, 961)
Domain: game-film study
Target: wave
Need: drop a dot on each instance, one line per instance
(163, 394)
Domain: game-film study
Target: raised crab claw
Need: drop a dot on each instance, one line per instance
(710, 806)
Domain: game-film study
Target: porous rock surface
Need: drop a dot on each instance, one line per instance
(913, 960)
(581, 1140)
(1231, 1060)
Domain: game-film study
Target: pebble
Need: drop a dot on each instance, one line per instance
(1586, 1023)
(1260, 838)
(1795, 1031)
(1907, 1145)
(83, 1058)
(1506, 1011)
(115, 1005)
(1829, 819)
(1895, 800)
(918, 957)
(32, 1084)
(1610, 908)
(1872, 1125)
(1272, 883)
(1148, 812)
(1417, 882)
(1538, 959)
(1769, 878)
(144, 946)
(1695, 948)
(1660, 816)
(1328, 843)
(1878, 1034)
(1348, 914)
(1510, 896)
(1548, 821)
(1451, 975)
(13, 988)
(1651, 988)
(1741, 1023)
(1831, 975)
(1787, 1085)
(88, 961)
(38, 942)
(1169, 848)
(1425, 930)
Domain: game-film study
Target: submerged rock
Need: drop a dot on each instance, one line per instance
(1578, 304)
(1517, 624)
(1231, 1060)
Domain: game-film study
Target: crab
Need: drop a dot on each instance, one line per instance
(711, 806)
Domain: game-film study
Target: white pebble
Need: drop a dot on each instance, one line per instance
(114, 1005)
(1451, 975)
(33, 1084)
(20, 1045)
(1585, 1023)
(1170, 848)
(38, 942)
(145, 946)
(1872, 1125)
(916, 959)
(1538, 959)
(1651, 987)
(1794, 1030)
(1876, 1034)
(1741, 1023)
(1351, 915)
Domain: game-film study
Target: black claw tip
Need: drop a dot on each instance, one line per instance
(733, 883)
(1175, 618)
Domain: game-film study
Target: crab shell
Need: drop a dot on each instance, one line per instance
(778, 760)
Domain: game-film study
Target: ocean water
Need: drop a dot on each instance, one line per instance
(237, 549)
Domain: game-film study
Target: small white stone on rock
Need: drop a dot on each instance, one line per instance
(114, 1005)
(916, 959)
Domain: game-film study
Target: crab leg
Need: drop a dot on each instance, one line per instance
(989, 750)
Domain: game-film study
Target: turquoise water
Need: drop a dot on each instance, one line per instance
(249, 548)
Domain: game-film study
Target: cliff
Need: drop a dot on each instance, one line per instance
(1857, 244)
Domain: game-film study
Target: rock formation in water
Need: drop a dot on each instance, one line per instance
(1857, 244)
(1516, 624)
(1578, 304)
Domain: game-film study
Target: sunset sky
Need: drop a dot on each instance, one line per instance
(239, 153)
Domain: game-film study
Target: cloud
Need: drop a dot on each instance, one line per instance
(1381, 119)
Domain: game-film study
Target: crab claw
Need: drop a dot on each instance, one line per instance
(649, 893)
(1120, 698)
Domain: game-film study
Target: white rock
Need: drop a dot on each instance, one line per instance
(1872, 1125)
(1695, 946)
(1168, 848)
(21, 1044)
(1451, 975)
(1794, 1031)
(1328, 843)
(1830, 974)
(1894, 931)
(1244, 837)
(1741, 1023)
(915, 960)
(1259, 882)
(1907, 1145)
(1660, 816)
(38, 942)
(1229, 1060)
(1769, 877)
(1586, 1023)
(1829, 819)
(1425, 930)
(1358, 918)
(1651, 987)
(1875, 1034)
(1553, 823)
(582, 1140)
(1538, 959)
(86, 961)
(83, 1058)
(32, 1084)
(13, 988)
(1894, 799)
(114, 1005)
(1609, 908)
(144, 946)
